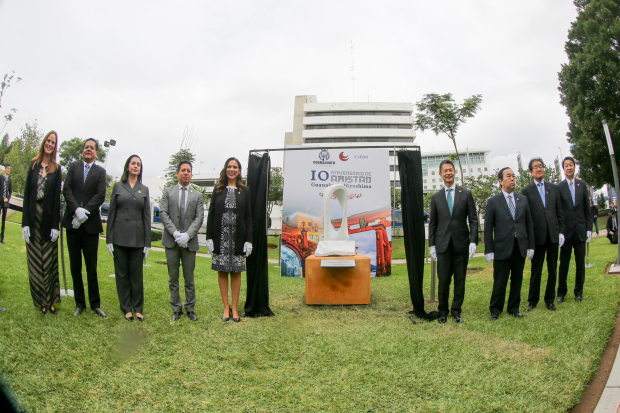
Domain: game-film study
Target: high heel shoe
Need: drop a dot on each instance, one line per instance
(53, 310)
(236, 320)
(226, 318)
(129, 318)
(43, 311)
(141, 318)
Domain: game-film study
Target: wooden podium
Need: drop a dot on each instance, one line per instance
(338, 285)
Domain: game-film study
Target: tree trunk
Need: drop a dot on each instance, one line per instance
(459, 158)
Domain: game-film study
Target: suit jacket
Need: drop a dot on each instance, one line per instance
(500, 227)
(444, 226)
(549, 219)
(51, 201)
(243, 219)
(88, 195)
(170, 214)
(129, 216)
(9, 189)
(577, 217)
(610, 225)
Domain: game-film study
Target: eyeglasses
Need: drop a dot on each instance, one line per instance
(538, 167)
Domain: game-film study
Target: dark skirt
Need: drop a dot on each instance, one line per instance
(43, 265)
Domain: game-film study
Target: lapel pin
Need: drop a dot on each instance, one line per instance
(139, 191)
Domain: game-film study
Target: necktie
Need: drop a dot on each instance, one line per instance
(86, 169)
(6, 181)
(182, 210)
(449, 199)
(511, 205)
(541, 189)
(572, 192)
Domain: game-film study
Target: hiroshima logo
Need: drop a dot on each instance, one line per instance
(343, 157)
(324, 155)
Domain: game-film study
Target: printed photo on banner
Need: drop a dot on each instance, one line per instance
(366, 175)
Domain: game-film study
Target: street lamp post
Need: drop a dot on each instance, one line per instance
(108, 144)
(199, 167)
(615, 171)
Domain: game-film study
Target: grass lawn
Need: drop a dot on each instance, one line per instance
(341, 358)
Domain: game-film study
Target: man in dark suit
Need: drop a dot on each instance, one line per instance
(452, 242)
(182, 212)
(612, 227)
(84, 191)
(546, 209)
(578, 222)
(594, 213)
(508, 239)
(6, 189)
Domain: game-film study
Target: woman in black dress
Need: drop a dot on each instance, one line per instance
(128, 236)
(229, 232)
(40, 224)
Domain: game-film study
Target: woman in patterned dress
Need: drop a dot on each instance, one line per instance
(40, 223)
(229, 233)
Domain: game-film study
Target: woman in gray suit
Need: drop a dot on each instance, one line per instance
(128, 236)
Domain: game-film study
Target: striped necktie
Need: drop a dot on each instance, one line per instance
(86, 170)
(511, 205)
(572, 191)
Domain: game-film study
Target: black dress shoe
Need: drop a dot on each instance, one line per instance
(530, 308)
(192, 316)
(560, 300)
(53, 310)
(457, 318)
(551, 307)
(141, 318)
(236, 320)
(442, 319)
(99, 312)
(493, 317)
(43, 311)
(517, 315)
(2, 309)
(578, 298)
(2, 241)
(176, 316)
(78, 311)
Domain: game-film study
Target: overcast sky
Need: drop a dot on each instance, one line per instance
(140, 71)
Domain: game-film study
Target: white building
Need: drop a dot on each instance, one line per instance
(473, 161)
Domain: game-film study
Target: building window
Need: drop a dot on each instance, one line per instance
(359, 126)
(433, 180)
(434, 186)
(440, 186)
(359, 113)
(342, 140)
(425, 187)
(485, 169)
(479, 170)
(433, 172)
(425, 181)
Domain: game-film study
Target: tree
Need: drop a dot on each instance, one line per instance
(427, 201)
(395, 201)
(5, 148)
(276, 189)
(23, 149)
(601, 202)
(482, 188)
(6, 83)
(440, 114)
(590, 86)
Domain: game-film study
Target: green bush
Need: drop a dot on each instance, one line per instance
(156, 235)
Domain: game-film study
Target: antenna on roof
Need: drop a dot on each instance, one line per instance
(352, 71)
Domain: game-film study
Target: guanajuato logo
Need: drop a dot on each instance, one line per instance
(324, 158)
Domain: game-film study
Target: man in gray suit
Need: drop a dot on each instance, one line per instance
(182, 213)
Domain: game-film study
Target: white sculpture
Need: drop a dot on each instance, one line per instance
(335, 242)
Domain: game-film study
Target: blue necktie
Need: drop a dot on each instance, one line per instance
(449, 199)
(572, 192)
(86, 169)
(541, 189)
(511, 205)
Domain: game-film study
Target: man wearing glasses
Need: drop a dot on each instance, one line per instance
(546, 210)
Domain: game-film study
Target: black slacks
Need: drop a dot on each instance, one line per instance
(503, 270)
(612, 238)
(3, 210)
(538, 261)
(129, 277)
(80, 243)
(451, 263)
(580, 264)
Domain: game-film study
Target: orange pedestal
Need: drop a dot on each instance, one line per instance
(337, 285)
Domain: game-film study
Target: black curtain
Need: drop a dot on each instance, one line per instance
(412, 205)
(257, 271)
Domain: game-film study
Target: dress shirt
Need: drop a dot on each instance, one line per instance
(452, 192)
(89, 167)
(541, 185)
(574, 191)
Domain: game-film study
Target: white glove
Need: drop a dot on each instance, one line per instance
(176, 235)
(247, 248)
(433, 253)
(54, 235)
(111, 250)
(182, 239)
(26, 234)
(589, 236)
(146, 252)
(210, 246)
(561, 240)
(530, 255)
(472, 250)
(75, 223)
(489, 257)
(82, 215)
